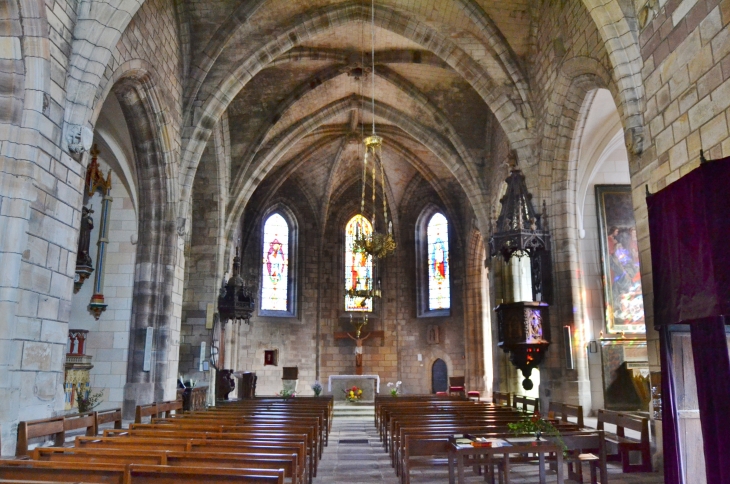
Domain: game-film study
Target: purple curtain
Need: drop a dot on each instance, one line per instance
(689, 227)
(709, 350)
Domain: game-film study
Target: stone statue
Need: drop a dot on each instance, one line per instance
(87, 224)
(358, 347)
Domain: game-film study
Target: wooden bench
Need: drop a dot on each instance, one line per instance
(502, 398)
(521, 402)
(423, 452)
(157, 410)
(626, 445)
(133, 473)
(563, 412)
(112, 415)
(48, 427)
(57, 427)
(288, 462)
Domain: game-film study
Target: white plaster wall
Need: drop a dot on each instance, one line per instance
(602, 161)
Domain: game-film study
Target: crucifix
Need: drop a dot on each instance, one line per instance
(358, 339)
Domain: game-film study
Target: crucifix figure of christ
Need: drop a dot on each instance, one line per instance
(358, 339)
(358, 350)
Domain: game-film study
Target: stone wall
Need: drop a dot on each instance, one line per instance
(321, 312)
(686, 54)
(108, 338)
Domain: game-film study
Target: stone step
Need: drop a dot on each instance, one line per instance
(354, 410)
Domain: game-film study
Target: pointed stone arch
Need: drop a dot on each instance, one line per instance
(158, 261)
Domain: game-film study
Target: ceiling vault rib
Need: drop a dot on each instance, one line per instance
(217, 87)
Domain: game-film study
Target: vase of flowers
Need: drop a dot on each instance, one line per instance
(89, 401)
(317, 388)
(286, 394)
(353, 394)
(394, 388)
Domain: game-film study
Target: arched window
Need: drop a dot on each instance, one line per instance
(439, 287)
(358, 266)
(275, 284)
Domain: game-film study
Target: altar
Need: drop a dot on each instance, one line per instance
(370, 385)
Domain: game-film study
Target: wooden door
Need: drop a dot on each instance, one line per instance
(439, 376)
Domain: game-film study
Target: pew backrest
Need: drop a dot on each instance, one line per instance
(502, 398)
(49, 427)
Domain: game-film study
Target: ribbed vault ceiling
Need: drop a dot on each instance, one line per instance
(297, 108)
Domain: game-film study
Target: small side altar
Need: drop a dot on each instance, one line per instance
(370, 385)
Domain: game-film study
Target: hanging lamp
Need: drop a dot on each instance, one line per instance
(377, 244)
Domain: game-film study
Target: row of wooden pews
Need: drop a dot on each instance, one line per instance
(416, 431)
(254, 441)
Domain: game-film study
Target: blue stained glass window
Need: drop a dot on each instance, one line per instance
(439, 288)
(275, 281)
(358, 266)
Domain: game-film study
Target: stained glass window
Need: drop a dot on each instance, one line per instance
(358, 266)
(439, 288)
(274, 286)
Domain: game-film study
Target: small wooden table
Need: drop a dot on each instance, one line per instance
(483, 455)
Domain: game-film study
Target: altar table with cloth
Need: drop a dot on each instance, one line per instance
(370, 385)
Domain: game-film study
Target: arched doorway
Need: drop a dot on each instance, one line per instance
(439, 376)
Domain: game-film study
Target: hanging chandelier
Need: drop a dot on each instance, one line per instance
(375, 244)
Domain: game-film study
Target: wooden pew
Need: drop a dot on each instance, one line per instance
(502, 398)
(48, 427)
(624, 444)
(134, 473)
(270, 445)
(99, 456)
(563, 412)
(572, 411)
(526, 404)
(112, 415)
(143, 474)
(62, 471)
(288, 462)
(142, 411)
(423, 452)
(57, 427)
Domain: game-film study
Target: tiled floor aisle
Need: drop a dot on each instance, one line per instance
(353, 463)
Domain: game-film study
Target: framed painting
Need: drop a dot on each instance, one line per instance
(621, 272)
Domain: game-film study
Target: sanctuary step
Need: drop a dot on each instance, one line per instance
(342, 409)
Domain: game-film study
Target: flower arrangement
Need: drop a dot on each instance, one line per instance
(536, 425)
(394, 388)
(89, 402)
(317, 388)
(353, 394)
(287, 393)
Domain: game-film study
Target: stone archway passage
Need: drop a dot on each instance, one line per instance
(439, 376)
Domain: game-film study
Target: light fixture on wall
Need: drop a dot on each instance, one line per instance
(236, 301)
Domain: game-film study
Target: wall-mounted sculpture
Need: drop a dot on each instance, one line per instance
(95, 181)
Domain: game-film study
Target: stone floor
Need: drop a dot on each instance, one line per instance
(353, 463)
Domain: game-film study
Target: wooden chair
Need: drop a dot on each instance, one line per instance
(456, 385)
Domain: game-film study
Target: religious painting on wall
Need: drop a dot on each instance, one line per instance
(275, 281)
(358, 265)
(623, 298)
(439, 289)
